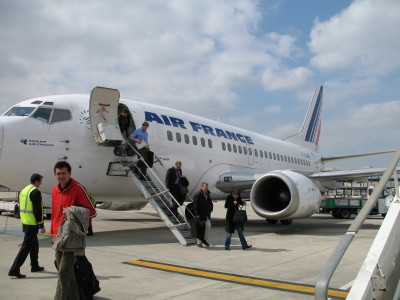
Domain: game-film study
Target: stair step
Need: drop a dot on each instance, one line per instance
(160, 202)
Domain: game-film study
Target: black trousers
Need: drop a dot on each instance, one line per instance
(175, 192)
(144, 154)
(30, 246)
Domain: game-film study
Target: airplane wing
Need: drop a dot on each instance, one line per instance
(343, 157)
(244, 181)
(348, 174)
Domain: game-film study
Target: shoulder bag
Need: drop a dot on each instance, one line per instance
(240, 215)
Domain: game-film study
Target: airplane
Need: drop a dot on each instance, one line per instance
(283, 178)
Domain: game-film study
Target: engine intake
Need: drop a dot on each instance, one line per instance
(284, 195)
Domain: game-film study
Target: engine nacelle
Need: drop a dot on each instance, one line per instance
(284, 195)
(128, 205)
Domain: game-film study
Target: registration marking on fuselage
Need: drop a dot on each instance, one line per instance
(239, 279)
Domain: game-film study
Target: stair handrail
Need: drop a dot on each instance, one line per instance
(162, 184)
(321, 287)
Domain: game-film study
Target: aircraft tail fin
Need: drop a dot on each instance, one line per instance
(309, 132)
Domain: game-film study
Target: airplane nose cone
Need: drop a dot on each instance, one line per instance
(1, 137)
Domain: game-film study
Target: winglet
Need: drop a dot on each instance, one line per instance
(310, 131)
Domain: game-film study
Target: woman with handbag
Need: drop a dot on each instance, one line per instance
(232, 203)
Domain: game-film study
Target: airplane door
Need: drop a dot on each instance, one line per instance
(103, 112)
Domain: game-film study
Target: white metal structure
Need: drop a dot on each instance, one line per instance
(379, 276)
(380, 273)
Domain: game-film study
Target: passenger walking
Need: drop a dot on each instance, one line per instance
(232, 203)
(31, 213)
(202, 208)
(68, 194)
(172, 182)
(141, 139)
(124, 123)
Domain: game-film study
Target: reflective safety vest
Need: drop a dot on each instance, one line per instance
(26, 206)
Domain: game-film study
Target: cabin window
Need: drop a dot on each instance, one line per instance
(234, 148)
(245, 150)
(270, 155)
(60, 115)
(170, 137)
(240, 149)
(19, 111)
(266, 154)
(256, 152)
(274, 156)
(278, 157)
(250, 152)
(223, 146)
(229, 147)
(178, 137)
(203, 142)
(209, 143)
(187, 139)
(194, 140)
(261, 154)
(42, 114)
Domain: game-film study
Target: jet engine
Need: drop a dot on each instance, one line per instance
(284, 195)
(123, 205)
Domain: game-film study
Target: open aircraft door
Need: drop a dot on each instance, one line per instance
(103, 112)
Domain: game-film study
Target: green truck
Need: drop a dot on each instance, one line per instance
(343, 207)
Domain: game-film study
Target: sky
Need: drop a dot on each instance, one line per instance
(251, 64)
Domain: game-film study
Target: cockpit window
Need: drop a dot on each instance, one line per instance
(48, 103)
(20, 111)
(42, 114)
(36, 102)
(60, 115)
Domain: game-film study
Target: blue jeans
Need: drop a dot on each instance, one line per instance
(241, 237)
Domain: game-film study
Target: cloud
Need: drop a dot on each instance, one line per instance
(286, 79)
(338, 92)
(187, 55)
(369, 126)
(273, 109)
(281, 45)
(362, 39)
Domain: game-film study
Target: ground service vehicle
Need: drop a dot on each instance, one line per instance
(344, 207)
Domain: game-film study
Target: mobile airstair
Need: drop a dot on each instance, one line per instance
(379, 275)
(103, 112)
(156, 193)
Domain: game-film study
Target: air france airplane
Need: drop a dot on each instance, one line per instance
(282, 177)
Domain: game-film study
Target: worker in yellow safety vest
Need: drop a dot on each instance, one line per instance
(31, 213)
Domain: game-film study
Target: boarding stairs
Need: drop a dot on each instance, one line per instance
(152, 188)
(379, 276)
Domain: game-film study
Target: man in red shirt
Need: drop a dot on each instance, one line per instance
(68, 192)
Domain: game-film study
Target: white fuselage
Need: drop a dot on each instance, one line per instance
(207, 149)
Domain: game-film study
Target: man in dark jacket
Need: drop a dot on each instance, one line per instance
(202, 208)
(31, 213)
(172, 180)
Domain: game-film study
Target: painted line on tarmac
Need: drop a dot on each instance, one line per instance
(239, 279)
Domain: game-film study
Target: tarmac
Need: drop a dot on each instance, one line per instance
(134, 256)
